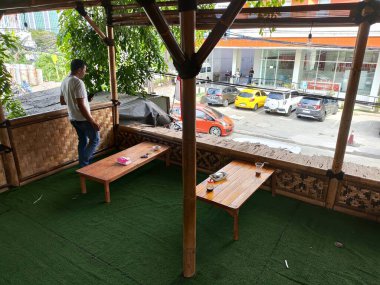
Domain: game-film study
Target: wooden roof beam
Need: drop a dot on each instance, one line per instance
(80, 9)
(166, 4)
(158, 21)
(269, 10)
(37, 6)
(218, 31)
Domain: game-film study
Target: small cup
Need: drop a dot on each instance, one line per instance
(259, 167)
(210, 185)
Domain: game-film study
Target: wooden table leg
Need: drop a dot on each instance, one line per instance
(236, 224)
(83, 184)
(235, 214)
(274, 184)
(107, 192)
(167, 158)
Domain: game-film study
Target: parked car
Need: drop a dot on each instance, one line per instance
(316, 108)
(208, 120)
(282, 101)
(250, 99)
(205, 73)
(221, 96)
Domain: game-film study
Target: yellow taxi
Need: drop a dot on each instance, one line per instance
(250, 99)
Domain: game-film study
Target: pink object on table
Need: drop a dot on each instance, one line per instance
(124, 160)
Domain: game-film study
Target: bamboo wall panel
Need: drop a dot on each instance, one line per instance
(46, 145)
(305, 181)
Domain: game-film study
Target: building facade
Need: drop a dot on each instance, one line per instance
(46, 20)
(317, 60)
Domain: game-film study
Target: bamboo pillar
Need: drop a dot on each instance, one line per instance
(112, 71)
(8, 159)
(189, 160)
(348, 109)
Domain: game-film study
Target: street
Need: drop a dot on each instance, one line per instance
(305, 136)
(308, 136)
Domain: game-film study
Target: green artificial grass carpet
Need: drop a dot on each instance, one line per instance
(51, 234)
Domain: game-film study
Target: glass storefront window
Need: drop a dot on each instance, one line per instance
(277, 67)
(345, 56)
(328, 55)
(371, 57)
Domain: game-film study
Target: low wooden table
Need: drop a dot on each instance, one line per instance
(107, 170)
(231, 193)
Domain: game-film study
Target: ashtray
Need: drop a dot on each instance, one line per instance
(218, 176)
(123, 160)
(156, 147)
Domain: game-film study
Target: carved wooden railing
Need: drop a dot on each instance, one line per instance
(298, 176)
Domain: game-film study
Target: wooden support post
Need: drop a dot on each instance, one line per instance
(112, 72)
(218, 31)
(189, 160)
(10, 170)
(348, 109)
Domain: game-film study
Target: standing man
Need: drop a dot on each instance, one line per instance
(74, 95)
(250, 75)
(237, 76)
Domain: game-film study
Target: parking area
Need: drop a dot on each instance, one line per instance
(308, 136)
(304, 135)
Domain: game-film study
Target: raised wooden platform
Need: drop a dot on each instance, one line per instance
(107, 170)
(231, 193)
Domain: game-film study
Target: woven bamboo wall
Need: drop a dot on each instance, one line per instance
(42, 143)
(358, 196)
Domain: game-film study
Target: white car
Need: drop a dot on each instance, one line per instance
(282, 101)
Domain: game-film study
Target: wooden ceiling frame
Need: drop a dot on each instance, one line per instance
(339, 14)
(43, 5)
(164, 4)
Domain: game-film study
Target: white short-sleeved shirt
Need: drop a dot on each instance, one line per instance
(71, 89)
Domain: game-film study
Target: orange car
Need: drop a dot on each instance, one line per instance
(208, 120)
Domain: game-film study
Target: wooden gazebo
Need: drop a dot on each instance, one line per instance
(190, 17)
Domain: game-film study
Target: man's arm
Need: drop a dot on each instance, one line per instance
(62, 100)
(86, 113)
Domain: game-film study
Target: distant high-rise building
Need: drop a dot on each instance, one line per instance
(46, 20)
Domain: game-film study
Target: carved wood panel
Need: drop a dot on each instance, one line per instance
(302, 184)
(359, 198)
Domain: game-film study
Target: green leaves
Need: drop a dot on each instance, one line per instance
(53, 66)
(138, 50)
(12, 106)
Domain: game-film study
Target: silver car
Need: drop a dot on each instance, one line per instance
(221, 96)
(316, 108)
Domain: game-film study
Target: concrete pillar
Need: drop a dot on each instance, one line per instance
(376, 81)
(297, 68)
(236, 60)
(257, 56)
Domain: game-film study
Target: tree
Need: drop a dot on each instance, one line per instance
(53, 66)
(12, 106)
(138, 50)
(46, 41)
